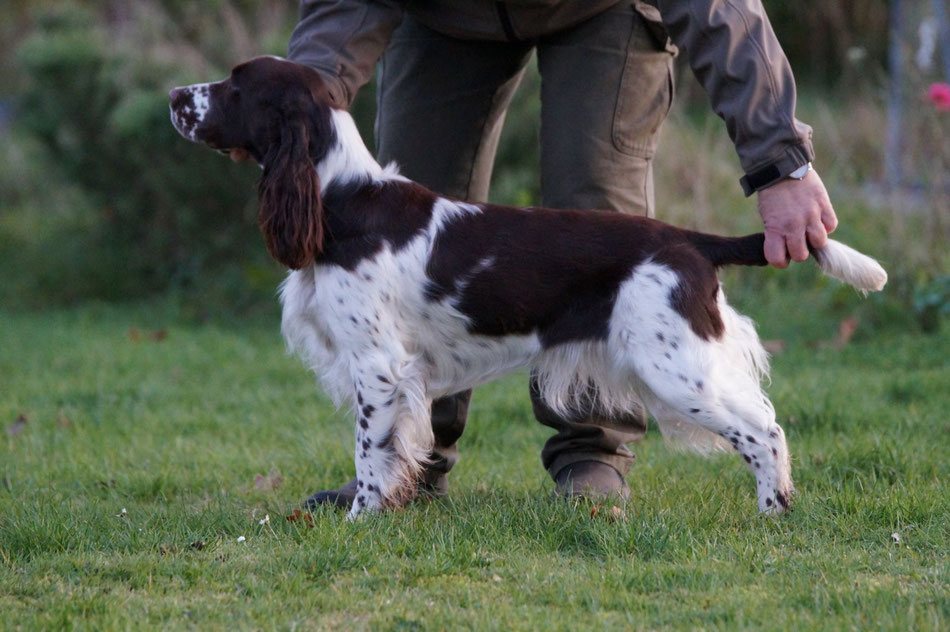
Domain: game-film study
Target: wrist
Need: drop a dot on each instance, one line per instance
(794, 164)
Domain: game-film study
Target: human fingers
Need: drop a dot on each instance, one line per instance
(796, 245)
(817, 235)
(775, 251)
(828, 218)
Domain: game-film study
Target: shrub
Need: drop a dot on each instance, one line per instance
(162, 213)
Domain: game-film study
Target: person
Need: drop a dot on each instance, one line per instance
(447, 72)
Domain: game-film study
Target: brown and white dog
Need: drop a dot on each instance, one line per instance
(398, 296)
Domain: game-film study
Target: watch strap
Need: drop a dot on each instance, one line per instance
(760, 179)
(795, 157)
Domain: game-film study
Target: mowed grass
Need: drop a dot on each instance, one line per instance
(131, 475)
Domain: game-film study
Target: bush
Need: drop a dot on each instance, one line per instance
(160, 213)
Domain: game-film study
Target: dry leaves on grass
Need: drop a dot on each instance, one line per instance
(846, 329)
(774, 347)
(17, 426)
(301, 516)
(613, 514)
(155, 335)
(268, 483)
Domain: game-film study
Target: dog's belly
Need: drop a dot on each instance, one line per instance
(456, 360)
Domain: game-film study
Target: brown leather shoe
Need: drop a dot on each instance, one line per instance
(591, 479)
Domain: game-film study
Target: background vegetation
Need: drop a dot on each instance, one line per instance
(100, 199)
(150, 420)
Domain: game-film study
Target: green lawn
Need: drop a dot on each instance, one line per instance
(127, 487)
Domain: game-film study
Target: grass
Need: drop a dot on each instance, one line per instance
(126, 490)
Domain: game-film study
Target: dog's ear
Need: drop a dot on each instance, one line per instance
(291, 211)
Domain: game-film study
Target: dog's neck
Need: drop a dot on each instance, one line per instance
(348, 159)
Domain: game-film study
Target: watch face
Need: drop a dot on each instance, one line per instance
(801, 172)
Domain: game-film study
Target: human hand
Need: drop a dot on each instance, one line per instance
(794, 211)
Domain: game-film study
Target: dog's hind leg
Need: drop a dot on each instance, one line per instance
(393, 433)
(704, 392)
(700, 416)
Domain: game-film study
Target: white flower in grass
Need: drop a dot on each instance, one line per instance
(896, 537)
(264, 520)
(121, 514)
(241, 539)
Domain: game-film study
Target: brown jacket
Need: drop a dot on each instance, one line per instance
(730, 45)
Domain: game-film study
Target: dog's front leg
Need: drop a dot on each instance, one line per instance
(393, 435)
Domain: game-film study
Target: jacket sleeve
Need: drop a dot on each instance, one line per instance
(734, 53)
(343, 40)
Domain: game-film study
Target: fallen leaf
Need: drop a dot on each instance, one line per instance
(306, 518)
(775, 347)
(612, 515)
(846, 329)
(268, 483)
(17, 426)
(156, 335)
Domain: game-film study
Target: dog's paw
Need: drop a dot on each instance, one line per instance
(776, 502)
(364, 504)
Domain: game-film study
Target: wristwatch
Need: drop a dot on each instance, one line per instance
(769, 175)
(801, 172)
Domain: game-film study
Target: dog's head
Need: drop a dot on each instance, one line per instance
(279, 112)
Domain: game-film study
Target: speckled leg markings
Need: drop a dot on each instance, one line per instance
(388, 450)
(766, 455)
(750, 429)
(756, 437)
(376, 415)
(704, 392)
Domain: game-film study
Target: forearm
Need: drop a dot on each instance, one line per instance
(343, 39)
(735, 55)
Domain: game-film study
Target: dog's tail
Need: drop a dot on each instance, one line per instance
(835, 259)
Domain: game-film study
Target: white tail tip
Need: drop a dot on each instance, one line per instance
(847, 264)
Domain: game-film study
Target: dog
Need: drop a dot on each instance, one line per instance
(397, 296)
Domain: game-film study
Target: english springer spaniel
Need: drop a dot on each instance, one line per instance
(398, 296)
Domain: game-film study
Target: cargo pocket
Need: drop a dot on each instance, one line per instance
(646, 87)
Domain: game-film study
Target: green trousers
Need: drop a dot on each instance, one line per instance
(606, 88)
